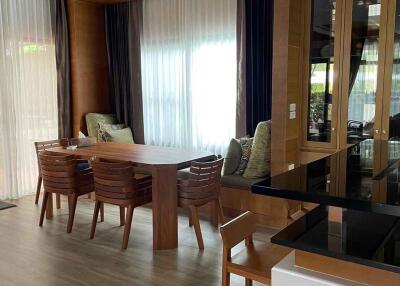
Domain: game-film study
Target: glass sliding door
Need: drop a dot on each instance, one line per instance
(363, 69)
(321, 119)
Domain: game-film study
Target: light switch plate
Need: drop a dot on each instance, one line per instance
(291, 167)
(292, 107)
(292, 115)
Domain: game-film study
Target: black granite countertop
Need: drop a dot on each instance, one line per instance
(375, 244)
(363, 177)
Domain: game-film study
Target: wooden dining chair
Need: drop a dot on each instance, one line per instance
(202, 186)
(116, 184)
(254, 261)
(62, 175)
(41, 146)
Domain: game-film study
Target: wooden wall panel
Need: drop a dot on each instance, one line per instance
(287, 83)
(89, 67)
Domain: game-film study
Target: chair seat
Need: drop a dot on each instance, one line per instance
(257, 260)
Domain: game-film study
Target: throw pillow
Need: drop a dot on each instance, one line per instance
(232, 158)
(93, 120)
(104, 128)
(260, 159)
(120, 136)
(246, 144)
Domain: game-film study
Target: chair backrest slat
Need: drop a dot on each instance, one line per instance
(114, 180)
(44, 145)
(204, 174)
(238, 229)
(58, 171)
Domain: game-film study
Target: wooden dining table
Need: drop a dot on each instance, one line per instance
(163, 163)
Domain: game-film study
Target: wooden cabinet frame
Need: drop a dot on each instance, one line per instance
(346, 72)
(336, 78)
(341, 80)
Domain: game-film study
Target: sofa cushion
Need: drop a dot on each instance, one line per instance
(246, 144)
(104, 128)
(235, 181)
(93, 120)
(260, 157)
(120, 136)
(232, 158)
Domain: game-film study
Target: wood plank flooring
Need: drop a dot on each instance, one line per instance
(30, 255)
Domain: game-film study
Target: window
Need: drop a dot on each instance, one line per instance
(189, 73)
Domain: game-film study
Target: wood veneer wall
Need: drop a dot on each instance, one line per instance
(89, 65)
(287, 83)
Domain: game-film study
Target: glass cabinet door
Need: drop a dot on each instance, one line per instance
(362, 70)
(322, 72)
(391, 108)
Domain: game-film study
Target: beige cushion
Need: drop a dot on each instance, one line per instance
(239, 181)
(120, 136)
(260, 157)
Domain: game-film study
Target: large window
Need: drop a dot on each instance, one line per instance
(28, 96)
(189, 73)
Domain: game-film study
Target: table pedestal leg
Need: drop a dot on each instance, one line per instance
(336, 229)
(164, 201)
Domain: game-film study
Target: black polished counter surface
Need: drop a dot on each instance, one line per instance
(367, 238)
(363, 177)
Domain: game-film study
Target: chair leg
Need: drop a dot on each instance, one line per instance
(102, 212)
(218, 206)
(44, 207)
(190, 219)
(127, 229)
(58, 201)
(95, 217)
(38, 187)
(122, 215)
(197, 229)
(249, 282)
(74, 200)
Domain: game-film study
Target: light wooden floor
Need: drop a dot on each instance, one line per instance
(30, 255)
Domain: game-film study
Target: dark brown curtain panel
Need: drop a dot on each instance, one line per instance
(123, 25)
(58, 9)
(259, 55)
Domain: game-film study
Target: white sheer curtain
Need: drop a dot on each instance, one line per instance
(28, 98)
(188, 54)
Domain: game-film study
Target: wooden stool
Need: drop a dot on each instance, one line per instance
(116, 184)
(200, 188)
(41, 146)
(62, 176)
(254, 262)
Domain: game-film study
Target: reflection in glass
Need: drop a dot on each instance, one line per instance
(321, 70)
(394, 121)
(363, 69)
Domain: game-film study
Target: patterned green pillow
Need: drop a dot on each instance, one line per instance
(93, 120)
(246, 144)
(104, 128)
(120, 136)
(260, 159)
